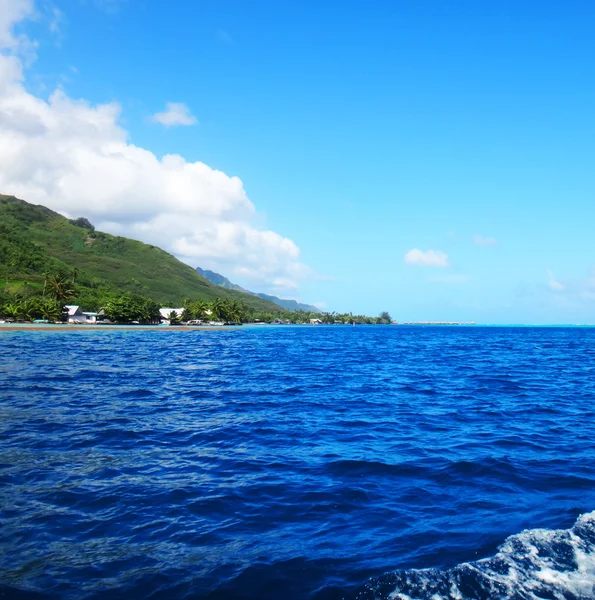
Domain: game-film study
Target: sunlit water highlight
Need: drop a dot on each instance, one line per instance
(312, 462)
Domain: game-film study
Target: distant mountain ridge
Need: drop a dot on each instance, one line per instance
(287, 304)
(217, 279)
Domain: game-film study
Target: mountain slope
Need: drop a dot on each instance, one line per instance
(35, 240)
(288, 304)
(220, 280)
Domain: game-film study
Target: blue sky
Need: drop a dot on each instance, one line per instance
(362, 132)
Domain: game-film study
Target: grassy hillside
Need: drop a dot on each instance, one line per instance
(35, 240)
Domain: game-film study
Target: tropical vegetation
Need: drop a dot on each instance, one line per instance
(127, 308)
(48, 261)
(35, 241)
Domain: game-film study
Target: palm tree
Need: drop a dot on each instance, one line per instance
(218, 308)
(60, 287)
(151, 310)
(328, 318)
(199, 309)
(233, 311)
(237, 311)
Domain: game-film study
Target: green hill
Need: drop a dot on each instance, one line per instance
(35, 240)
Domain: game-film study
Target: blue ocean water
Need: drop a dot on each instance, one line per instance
(298, 463)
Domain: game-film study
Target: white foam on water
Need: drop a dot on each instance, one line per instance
(532, 565)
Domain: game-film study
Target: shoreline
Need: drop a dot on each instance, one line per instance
(64, 327)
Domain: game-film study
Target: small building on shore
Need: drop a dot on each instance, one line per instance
(77, 316)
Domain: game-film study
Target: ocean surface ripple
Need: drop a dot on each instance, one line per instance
(298, 463)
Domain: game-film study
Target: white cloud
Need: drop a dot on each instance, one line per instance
(430, 258)
(480, 240)
(554, 284)
(175, 113)
(74, 157)
(11, 13)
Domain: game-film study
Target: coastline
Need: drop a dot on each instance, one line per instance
(65, 328)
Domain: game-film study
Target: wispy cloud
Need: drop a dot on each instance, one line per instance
(175, 114)
(429, 258)
(480, 240)
(553, 283)
(56, 21)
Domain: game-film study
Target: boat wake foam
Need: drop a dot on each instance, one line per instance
(536, 564)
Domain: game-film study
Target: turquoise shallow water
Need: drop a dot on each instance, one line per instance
(298, 462)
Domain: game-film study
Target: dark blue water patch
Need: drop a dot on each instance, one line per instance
(297, 463)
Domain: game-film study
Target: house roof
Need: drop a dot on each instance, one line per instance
(72, 309)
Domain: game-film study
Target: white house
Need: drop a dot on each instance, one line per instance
(76, 315)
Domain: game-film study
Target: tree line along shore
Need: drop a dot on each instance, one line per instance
(49, 262)
(51, 304)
